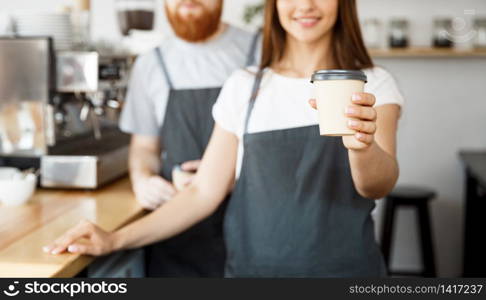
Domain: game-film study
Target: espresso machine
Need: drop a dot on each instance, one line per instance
(59, 113)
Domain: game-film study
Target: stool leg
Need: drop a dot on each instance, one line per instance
(426, 240)
(387, 231)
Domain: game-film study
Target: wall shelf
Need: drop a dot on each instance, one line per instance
(427, 52)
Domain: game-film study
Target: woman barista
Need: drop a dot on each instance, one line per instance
(301, 203)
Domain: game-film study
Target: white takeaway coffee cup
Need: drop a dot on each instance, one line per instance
(333, 92)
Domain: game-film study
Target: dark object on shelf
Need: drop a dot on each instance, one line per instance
(480, 27)
(135, 14)
(399, 33)
(442, 43)
(418, 198)
(442, 37)
(398, 43)
(135, 19)
(475, 206)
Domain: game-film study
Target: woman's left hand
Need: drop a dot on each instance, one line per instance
(98, 241)
(362, 118)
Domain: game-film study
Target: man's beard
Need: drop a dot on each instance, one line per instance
(195, 29)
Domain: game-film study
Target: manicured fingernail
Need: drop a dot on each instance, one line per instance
(56, 251)
(356, 97)
(350, 110)
(353, 123)
(46, 248)
(360, 136)
(72, 248)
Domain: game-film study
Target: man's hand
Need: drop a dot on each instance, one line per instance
(152, 191)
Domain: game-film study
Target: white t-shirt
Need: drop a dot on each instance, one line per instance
(282, 102)
(190, 66)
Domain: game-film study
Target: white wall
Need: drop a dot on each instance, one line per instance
(445, 112)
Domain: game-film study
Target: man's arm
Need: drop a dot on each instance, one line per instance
(144, 157)
(150, 189)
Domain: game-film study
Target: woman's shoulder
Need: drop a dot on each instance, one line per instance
(379, 78)
(247, 73)
(383, 85)
(377, 73)
(230, 106)
(242, 77)
(238, 85)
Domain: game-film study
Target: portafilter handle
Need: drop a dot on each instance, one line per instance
(92, 111)
(85, 110)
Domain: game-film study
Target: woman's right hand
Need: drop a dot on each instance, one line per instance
(152, 191)
(96, 241)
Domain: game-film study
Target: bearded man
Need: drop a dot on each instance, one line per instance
(168, 113)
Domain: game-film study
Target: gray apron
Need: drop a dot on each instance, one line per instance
(295, 212)
(185, 133)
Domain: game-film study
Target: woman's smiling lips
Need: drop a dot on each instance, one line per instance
(307, 21)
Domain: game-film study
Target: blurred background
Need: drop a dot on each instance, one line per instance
(436, 49)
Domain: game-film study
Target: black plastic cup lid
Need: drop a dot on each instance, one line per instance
(339, 75)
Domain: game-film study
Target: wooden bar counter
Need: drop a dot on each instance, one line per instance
(24, 230)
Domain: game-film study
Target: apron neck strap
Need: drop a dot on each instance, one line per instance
(163, 66)
(254, 94)
(253, 49)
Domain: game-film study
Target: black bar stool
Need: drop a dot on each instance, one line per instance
(418, 198)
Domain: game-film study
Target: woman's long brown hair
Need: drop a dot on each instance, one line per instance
(348, 48)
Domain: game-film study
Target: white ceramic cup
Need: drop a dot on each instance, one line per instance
(17, 190)
(8, 173)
